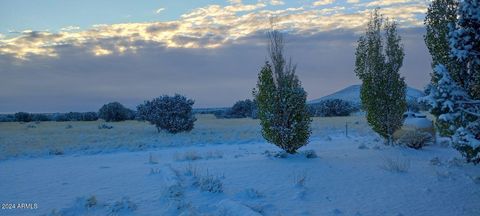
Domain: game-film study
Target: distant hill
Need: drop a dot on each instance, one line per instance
(352, 94)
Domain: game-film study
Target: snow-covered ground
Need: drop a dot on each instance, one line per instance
(354, 175)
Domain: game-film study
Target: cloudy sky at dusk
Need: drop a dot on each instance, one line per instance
(58, 56)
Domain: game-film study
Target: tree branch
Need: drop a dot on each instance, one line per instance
(471, 113)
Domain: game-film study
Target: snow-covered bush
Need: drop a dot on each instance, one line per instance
(332, 107)
(91, 206)
(379, 58)
(253, 193)
(397, 165)
(415, 139)
(467, 141)
(89, 202)
(300, 179)
(310, 154)
(209, 183)
(171, 113)
(124, 206)
(55, 151)
(214, 154)
(188, 156)
(23, 117)
(281, 101)
(105, 126)
(113, 112)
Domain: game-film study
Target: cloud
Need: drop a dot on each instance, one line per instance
(159, 10)
(235, 1)
(387, 2)
(81, 69)
(276, 2)
(211, 26)
(79, 80)
(322, 2)
(70, 28)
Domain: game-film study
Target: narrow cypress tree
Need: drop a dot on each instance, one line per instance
(440, 15)
(383, 90)
(282, 102)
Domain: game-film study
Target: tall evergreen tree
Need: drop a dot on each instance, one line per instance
(465, 45)
(282, 107)
(441, 14)
(377, 64)
(456, 101)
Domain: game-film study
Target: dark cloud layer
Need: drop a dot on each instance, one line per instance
(77, 80)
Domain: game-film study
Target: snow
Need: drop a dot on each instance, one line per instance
(418, 123)
(343, 180)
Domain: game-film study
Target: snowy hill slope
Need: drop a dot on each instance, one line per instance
(352, 94)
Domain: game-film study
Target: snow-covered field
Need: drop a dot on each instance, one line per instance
(224, 167)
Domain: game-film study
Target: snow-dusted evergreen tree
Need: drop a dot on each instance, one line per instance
(383, 90)
(440, 15)
(465, 47)
(458, 100)
(464, 41)
(171, 113)
(281, 100)
(461, 114)
(443, 97)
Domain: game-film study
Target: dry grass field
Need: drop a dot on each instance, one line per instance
(53, 138)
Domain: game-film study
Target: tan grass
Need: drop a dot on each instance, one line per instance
(16, 139)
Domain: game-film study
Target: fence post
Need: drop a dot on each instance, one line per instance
(346, 128)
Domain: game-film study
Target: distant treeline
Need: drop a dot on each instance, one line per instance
(248, 109)
(39, 117)
(109, 112)
(117, 112)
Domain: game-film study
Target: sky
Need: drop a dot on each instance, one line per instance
(60, 56)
